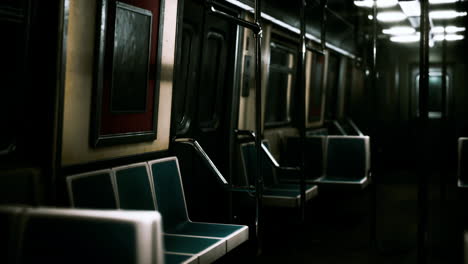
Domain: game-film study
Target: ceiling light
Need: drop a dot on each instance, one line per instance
(442, 1)
(405, 38)
(370, 17)
(454, 29)
(445, 14)
(437, 30)
(411, 8)
(380, 3)
(391, 16)
(399, 31)
(449, 37)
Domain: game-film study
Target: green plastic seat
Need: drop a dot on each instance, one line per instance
(171, 204)
(275, 193)
(179, 258)
(134, 187)
(347, 164)
(51, 235)
(92, 190)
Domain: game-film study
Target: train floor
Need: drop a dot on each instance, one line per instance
(337, 226)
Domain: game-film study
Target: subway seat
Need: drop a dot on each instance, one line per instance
(158, 186)
(346, 163)
(275, 193)
(171, 203)
(52, 235)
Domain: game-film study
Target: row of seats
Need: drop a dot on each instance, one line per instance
(332, 161)
(51, 235)
(341, 162)
(275, 193)
(157, 185)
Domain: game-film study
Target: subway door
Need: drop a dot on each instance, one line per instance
(203, 102)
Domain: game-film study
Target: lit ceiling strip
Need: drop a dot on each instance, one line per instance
(291, 28)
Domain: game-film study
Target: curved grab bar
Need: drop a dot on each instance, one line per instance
(209, 163)
(211, 5)
(9, 149)
(353, 125)
(265, 151)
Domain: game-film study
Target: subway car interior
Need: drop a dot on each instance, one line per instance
(233, 131)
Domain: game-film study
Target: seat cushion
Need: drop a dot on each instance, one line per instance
(178, 258)
(207, 249)
(233, 234)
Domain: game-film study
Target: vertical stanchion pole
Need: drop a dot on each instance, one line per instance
(323, 25)
(302, 106)
(444, 135)
(423, 115)
(373, 186)
(258, 126)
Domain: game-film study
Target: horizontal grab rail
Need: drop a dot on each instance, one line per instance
(212, 167)
(212, 6)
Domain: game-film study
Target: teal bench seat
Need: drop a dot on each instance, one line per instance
(135, 187)
(347, 163)
(51, 235)
(275, 193)
(171, 203)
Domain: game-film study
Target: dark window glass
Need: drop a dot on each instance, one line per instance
(212, 81)
(315, 87)
(434, 100)
(280, 83)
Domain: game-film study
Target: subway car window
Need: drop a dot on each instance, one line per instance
(435, 101)
(281, 80)
(316, 87)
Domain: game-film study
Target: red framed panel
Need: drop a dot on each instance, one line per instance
(127, 68)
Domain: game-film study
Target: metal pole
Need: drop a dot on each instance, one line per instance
(423, 113)
(302, 105)
(323, 29)
(373, 187)
(444, 135)
(258, 126)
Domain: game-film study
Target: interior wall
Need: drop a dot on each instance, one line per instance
(79, 83)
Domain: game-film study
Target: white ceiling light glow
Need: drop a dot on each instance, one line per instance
(446, 14)
(435, 2)
(411, 8)
(391, 16)
(405, 38)
(454, 29)
(380, 3)
(448, 29)
(449, 37)
(399, 31)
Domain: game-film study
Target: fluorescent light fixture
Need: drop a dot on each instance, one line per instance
(380, 3)
(449, 37)
(399, 31)
(454, 29)
(446, 14)
(405, 38)
(411, 8)
(435, 2)
(437, 30)
(447, 29)
(370, 17)
(391, 16)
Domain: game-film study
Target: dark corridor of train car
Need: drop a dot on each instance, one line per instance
(261, 131)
